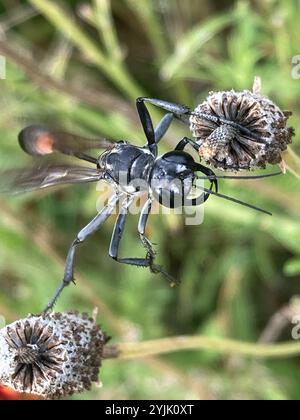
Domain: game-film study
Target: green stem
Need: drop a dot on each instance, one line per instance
(104, 22)
(293, 155)
(112, 70)
(292, 162)
(129, 351)
(157, 36)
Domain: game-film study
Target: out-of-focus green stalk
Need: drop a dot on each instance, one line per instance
(145, 11)
(285, 229)
(157, 36)
(104, 23)
(294, 155)
(129, 351)
(111, 69)
(292, 162)
(191, 42)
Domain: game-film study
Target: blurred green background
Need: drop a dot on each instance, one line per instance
(81, 64)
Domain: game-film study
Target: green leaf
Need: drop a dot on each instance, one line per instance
(191, 42)
(292, 267)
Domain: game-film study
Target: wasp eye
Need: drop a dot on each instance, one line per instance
(37, 140)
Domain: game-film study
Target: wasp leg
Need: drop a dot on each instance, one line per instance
(163, 127)
(184, 142)
(151, 253)
(142, 227)
(153, 136)
(91, 228)
(147, 124)
(183, 113)
(117, 235)
(206, 171)
(176, 109)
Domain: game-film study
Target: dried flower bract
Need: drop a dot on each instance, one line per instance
(52, 356)
(227, 147)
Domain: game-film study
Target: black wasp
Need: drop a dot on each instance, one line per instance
(169, 179)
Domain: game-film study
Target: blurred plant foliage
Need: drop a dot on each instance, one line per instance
(82, 64)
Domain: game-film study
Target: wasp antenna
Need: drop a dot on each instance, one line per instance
(235, 200)
(37, 140)
(239, 176)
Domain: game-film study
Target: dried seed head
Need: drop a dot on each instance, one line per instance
(226, 147)
(51, 356)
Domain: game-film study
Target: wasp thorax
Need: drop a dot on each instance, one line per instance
(227, 147)
(51, 356)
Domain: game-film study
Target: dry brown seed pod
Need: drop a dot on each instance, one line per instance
(52, 356)
(227, 147)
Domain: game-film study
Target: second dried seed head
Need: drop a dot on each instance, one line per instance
(51, 356)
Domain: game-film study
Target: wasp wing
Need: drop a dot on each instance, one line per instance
(43, 176)
(37, 140)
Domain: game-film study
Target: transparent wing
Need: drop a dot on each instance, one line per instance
(40, 140)
(43, 176)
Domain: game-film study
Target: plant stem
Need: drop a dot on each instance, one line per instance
(111, 69)
(83, 94)
(292, 162)
(145, 11)
(294, 155)
(130, 351)
(157, 36)
(104, 22)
